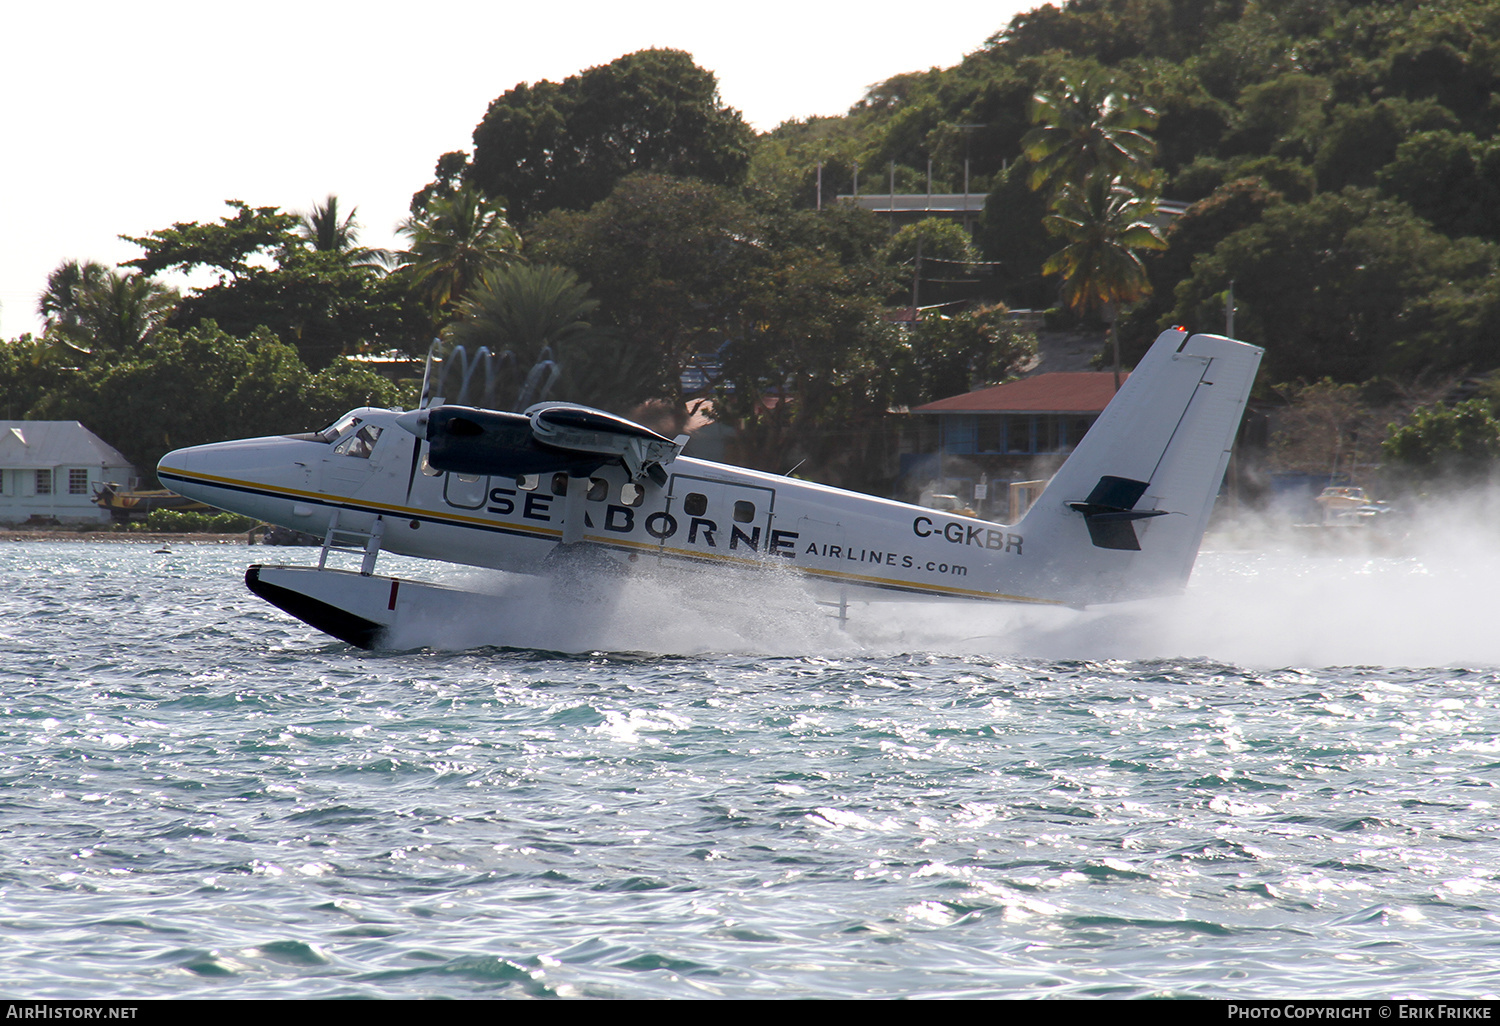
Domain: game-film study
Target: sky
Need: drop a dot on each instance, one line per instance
(121, 119)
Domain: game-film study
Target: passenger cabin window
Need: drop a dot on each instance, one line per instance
(695, 504)
(428, 469)
(631, 494)
(560, 483)
(360, 444)
(529, 482)
(598, 489)
(744, 512)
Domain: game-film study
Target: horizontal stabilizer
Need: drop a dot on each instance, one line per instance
(1108, 512)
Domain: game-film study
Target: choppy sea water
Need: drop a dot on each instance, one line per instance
(1283, 784)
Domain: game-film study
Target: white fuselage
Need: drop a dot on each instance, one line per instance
(1122, 519)
(707, 513)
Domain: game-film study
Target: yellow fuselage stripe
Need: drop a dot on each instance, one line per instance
(381, 509)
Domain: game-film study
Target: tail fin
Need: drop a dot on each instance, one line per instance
(1125, 515)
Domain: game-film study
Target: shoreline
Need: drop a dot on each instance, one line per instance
(72, 536)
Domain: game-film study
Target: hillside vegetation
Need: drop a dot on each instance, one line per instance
(1339, 159)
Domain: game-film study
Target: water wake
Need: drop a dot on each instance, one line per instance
(1277, 603)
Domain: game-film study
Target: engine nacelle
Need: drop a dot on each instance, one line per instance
(547, 438)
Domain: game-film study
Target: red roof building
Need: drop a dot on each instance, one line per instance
(1036, 416)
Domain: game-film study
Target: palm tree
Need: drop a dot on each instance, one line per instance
(454, 240)
(1103, 222)
(59, 303)
(534, 313)
(125, 311)
(322, 228)
(1086, 126)
(89, 307)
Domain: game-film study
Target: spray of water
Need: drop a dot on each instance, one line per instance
(661, 611)
(1260, 597)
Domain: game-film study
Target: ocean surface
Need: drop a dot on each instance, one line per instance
(1283, 784)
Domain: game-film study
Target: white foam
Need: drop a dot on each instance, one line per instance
(1428, 602)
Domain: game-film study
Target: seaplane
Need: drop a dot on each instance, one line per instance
(585, 497)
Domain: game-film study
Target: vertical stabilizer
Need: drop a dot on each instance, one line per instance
(1125, 515)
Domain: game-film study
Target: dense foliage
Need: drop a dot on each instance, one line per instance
(1340, 159)
(1446, 444)
(1267, 111)
(547, 145)
(327, 301)
(188, 388)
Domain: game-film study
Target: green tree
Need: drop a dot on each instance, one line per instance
(1193, 233)
(219, 387)
(93, 309)
(548, 145)
(939, 238)
(29, 368)
(808, 369)
(1102, 224)
(123, 311)
(666, 258)
(1086, 126)
(1339, 287)
(454, 240)
(229, 247)
(1284, 117)
(60, 303)
(529, 310)
(1012, 232)
(323, 230)
(952, 355)
(317, 300)
(787, 303)
(1446, 444)
(1360, 139)
(1451, 179)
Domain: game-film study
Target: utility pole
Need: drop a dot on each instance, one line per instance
(916, 277)
(1109, 313)
(966, 129)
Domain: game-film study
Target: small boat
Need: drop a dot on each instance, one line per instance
(1351, 517)
(125, 503)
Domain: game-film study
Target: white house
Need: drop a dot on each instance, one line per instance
(50, 468)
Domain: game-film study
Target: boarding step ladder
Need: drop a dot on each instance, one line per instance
(369, 548)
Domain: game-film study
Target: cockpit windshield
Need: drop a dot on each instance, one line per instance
(339, 428)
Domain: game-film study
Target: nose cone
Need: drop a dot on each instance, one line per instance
(179, 468)
(254, 476)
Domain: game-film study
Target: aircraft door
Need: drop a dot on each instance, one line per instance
(348, 467)
(718, 516)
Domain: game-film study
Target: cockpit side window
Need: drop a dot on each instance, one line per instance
(361, 443)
